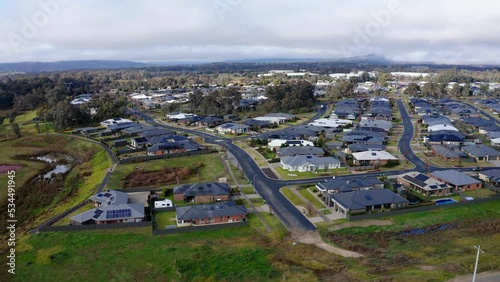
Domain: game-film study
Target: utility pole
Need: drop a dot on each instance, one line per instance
(478, 247)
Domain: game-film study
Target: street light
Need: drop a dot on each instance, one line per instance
(478, 247)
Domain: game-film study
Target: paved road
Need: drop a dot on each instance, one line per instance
(480, 277)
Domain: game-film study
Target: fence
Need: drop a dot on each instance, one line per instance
(418, 209)
(200, 228)
(149, 158)
(94, 226)
(130, 151)
(62, 215)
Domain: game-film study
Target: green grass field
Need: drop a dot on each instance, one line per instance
(248, 190)
(165, 218)
(311, 198)
(243, 253)
(212, 169)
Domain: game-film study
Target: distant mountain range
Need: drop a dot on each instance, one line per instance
(371, 59)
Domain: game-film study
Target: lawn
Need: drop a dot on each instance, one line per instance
(66, 220)
(257, 202)
(289, 175)
(241, 254)
(248, 190)
(165, 218)
(311, 198)
(481, 193)
(291, 196)
(213, 168)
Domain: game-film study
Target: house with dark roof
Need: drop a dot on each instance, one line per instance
(491, 176)
(139, 142)
(458, 180)
(300, 150)
(175, 147)
(424, 184)
(219, 213)
(443, 153)
(309, 163)
(444, 137)
(210, 122)
(366, 201)
(155, 132)
(481, 153)
(354, 148)
(202, 192)
(333, 186)
(256, 125)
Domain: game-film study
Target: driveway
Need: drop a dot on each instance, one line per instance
(138, 197)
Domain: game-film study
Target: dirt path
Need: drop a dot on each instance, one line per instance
(313, 237)
(364, 223)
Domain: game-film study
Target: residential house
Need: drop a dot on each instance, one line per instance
(384, 125)
(373, 158)
(424, 184)
(257, 125)
(155, 132)
(219, 213)
(231, 117)
(459, 180)
(355, 148)
(443, 153)
(286, 117)
(111, 207)
(333, 186)
(175, 147)
(309, 163)
(298, 151)
(232, 128)
(210, 122)
(366, 201)
(445, 137)
(491, 176)
(178, 116)
(139, 142)
(202, 192)
(114, 121)
(277, 143)
(439, 127)
(109, 197)
(482, 153)
(108, 214)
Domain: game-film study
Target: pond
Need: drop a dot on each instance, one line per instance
(62, 164)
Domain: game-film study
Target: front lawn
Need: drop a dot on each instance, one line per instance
(291, 175)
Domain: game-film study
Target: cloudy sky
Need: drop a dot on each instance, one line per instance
(216, 30)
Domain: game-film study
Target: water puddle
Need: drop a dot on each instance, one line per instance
(430, 229)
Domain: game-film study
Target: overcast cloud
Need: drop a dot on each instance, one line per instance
(215, 30)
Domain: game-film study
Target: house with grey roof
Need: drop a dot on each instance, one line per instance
(333, 186)
(458, 180)
(219, 213)
(381, 124)
(202, 192)
(108, 197)
(232, 128)
(108, 214)
(491, 176)
(366, 201)
(442, 152)
(111, 207)
(309, 163)
(482, 153)
(300, 151)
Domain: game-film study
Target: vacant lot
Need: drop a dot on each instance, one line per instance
(212, 168)
(435, 246)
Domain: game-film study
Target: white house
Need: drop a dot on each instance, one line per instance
(277, 143)
(331, 123)
(112, 121)
(438, 127)
(276, 120)
(372, 157)
(309, 163)
(178, 116)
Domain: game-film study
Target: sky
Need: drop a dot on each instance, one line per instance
(442, 31)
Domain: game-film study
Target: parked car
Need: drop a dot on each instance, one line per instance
(476, 169)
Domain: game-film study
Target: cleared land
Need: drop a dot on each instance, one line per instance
(212, 168)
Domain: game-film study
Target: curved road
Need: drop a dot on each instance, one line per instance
(268, 188)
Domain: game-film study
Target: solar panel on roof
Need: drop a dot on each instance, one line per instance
(99, 195)
(433, 187)
(97, 213)
(442, 185)
(422, 177)
(118, 213)
(107, 195)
